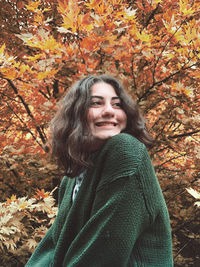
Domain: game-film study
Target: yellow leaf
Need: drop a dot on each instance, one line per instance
(10, 200)
(184, 7)
(23, 206)
(2, 50)
(62, 6)
(144, 37)
(85, 22)
(129, 13)
(92, 4)
(51, 43)
(33, 58)
(45, 74)
(69, 11)
(188, 92)
(179, 35)
(38, 18)
(157, 1)
(16, 64)
(42, 40)
(9, 73)
(32, 6)
(24, 68)
(114, 2)
(69, 23)
(191, 34)
(133, 30)
(196, 74)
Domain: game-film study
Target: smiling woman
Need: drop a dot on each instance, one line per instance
(73, 135)
(111, 207)
(106, 117)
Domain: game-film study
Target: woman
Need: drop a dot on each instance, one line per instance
(112, 213)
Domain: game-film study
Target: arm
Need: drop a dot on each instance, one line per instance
(118, 217)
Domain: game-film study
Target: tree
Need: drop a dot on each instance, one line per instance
(151, 45)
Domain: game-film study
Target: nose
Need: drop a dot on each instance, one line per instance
(108, 110)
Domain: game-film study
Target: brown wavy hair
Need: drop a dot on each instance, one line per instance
(70, 134)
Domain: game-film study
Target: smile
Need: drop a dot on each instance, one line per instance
(105, 123)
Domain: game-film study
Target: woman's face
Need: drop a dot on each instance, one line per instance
(106, 118)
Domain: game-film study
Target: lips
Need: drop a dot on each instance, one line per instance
(105, 123)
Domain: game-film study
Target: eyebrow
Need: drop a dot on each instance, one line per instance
(101, 97)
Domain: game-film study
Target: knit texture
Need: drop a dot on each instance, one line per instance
(118, 218)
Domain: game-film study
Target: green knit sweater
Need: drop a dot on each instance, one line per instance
(119, 217)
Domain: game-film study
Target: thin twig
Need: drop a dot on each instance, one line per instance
(182, 248)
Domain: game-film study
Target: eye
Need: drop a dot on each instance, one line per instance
(95, 103)
(117, 104)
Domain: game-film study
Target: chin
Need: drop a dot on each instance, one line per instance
(100, 140)
(106, 136)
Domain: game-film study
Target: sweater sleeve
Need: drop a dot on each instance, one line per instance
(120, 212)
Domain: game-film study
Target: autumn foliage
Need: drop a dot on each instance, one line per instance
(23, 222)
(152, 46)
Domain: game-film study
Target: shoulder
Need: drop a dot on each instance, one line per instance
(124, 144)
(124, 140)
(121, 155)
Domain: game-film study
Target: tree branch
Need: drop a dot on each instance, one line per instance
(149, 90)
(44, 94)
(184, 134)
(27, 110)
(151, 16)
(163, 49)
(55, 89)
(12, 170)
(28, 130)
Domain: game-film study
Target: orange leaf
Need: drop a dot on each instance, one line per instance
(41, 194)
(10, 200)
(33, 5)
(69, 11)
(9, 74)
(20, 4)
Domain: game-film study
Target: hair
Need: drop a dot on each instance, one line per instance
(70, 134)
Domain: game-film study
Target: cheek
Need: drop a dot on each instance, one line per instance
(123, 118)
(91, 116)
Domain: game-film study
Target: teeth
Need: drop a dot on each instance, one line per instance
(105, 123)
